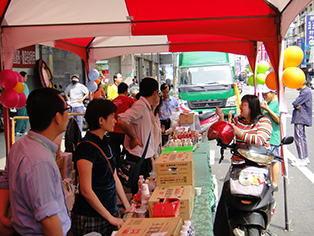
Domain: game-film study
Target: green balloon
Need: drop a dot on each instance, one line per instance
(262, 67)
(260, 78)
(250, 80)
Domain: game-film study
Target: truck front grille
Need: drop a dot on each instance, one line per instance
(207, 104)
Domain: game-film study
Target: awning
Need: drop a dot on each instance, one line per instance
(99, 29)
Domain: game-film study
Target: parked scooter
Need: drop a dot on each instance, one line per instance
(246, 202)
(312, 83)
(206, 119)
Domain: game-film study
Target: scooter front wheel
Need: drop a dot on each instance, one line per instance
(249, 231)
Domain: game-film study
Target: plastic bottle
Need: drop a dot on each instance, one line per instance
(145, 196)
(140, 182)
(163, 128)
(187, 229)
(189, 224)
(151, 184)
(183, 233)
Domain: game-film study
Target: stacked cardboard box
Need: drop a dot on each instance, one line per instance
(184, 193)
(175, 178)
(65, 165)
(175, 169)
(150, 226)
(187, 120)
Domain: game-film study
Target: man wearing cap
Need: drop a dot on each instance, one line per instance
(271, 110)
(75, 94)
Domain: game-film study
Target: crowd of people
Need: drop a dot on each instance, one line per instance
(119, 124)
(31, 182)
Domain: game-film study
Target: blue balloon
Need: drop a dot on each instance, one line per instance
(92, 86)
(93, 74)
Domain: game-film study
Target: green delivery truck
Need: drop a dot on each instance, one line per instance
(206, 81)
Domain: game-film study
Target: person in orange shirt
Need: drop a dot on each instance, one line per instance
(99, 93)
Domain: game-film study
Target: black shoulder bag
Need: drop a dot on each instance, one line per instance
(129, 171)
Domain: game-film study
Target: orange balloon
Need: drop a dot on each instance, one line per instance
(293, 77)
(97, 81)
(19, 88)
(270, 81)
(293, 56)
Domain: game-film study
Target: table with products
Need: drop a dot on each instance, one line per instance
(182, 184)
(204, 202)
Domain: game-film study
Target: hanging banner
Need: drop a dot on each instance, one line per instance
(25, 57)
(300, 44)
(309, 30)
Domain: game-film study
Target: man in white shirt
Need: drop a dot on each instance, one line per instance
(136, 122)
(75, 94)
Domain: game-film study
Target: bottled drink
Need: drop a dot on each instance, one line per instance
(187, 229)
(183, 233)
(145, 196)
(140, 182)
(189, 224)
(151, 184)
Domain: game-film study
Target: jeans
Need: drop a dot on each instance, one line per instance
(21, 125)
(79, 119)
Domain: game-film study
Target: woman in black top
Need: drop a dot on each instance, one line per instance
(95, 208)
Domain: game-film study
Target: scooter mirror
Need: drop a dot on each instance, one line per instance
(287, 140)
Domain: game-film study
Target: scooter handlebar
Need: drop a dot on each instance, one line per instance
(280, 158)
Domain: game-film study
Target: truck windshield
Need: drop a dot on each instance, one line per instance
(205, 75)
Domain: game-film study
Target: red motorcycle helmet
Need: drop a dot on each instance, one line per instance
(221, 130)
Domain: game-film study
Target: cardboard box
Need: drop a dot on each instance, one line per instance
(167, 207)
(59, 162)
(67, 165)
(184, 193)
(173, 169)
(187, 118)
(149, 226)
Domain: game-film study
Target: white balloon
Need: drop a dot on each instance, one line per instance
(93, 74)
(92, 86)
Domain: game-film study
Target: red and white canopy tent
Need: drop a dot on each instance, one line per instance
(99, 29)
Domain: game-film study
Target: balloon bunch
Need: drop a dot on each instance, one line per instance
(292, 76)
(92, 85)
(12, 89)
(262, 68)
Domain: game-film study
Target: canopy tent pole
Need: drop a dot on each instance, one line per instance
(5, 111)
(283, 130)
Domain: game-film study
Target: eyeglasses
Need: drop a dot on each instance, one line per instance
(67, 108)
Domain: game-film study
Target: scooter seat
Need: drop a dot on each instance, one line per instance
(206, 115)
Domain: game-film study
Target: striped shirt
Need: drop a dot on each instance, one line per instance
(258, 133)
